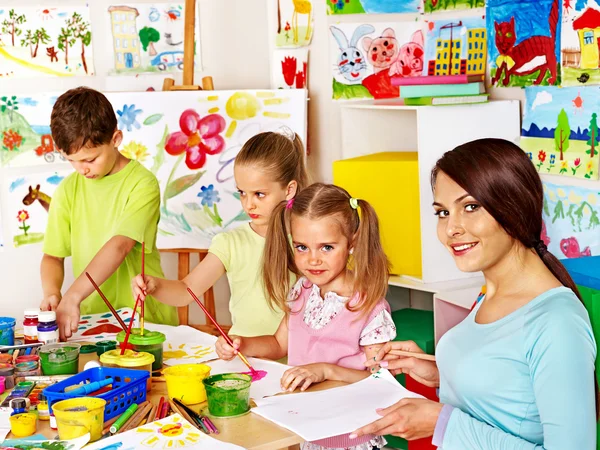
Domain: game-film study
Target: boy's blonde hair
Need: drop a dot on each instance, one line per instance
(281, 154)
(369, 264)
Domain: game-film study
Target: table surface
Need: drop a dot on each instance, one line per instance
(250, 431)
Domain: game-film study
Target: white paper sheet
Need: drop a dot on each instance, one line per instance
(27, 443)
(171, 432)
(101, 326)
(322, 414)
(269, 385)
(185, 345)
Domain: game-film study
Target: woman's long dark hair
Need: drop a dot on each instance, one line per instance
(500, 176)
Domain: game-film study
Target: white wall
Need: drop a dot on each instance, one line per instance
(236, 47)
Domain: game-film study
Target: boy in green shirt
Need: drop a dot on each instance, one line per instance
(98, 215)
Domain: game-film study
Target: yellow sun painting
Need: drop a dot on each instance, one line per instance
(172, 432)
(196, 352)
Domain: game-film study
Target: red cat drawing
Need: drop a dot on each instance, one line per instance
(532, 54)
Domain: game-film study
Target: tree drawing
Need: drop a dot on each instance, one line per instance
(148, 36)
(278, 17)
(66, 40)
(81, 31)
(559, 212)
(562, 133)
(9, 26)
(9, 104)
(29, 39)
(41, 37)
(593, 141)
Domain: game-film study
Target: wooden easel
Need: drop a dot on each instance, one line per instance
(183, 254)
(188, 56)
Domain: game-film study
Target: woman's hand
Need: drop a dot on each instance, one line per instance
(303, 376)
(425, 372)
(410, 418)
(226, 351)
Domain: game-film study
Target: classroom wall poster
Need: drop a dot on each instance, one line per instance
(455, 46)
(294, 23)
(432, 6)
(571, 221)
(560, 130)
(148, 37)
(580, 50)
(374, 6)
(364, 56)
(523, 42)
(46, 40)
(289, 68)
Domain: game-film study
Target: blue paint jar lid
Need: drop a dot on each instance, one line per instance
(7, 322)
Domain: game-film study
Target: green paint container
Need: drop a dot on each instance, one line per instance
(228, 394)
(151, 342)
(60, 359)
(104, 346)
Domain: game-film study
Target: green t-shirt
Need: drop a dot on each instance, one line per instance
(240, 250)
(85, 214)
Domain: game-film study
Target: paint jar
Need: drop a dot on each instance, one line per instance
(42, 407)
(184, 382)
(60, 359)
(47, 328)
(150, 342)
(130, 360)
(7, 331)
(79, 416)
(6, 358)
(228, 394)
(23, 425)
(104, 346)
(18, 405)
(30, 333)
(28, 368)
(2, 385)
(8, 372)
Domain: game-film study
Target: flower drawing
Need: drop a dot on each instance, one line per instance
(198, 137)
(576, 165)
(22, 217)
(128, 117)
(288, 68)
(589, 169)
(209, 195)
(530, 154)
(564, 166)
(541, 158)
(136, 151)
(11, 140)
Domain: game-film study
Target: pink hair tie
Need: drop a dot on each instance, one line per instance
(289, 203)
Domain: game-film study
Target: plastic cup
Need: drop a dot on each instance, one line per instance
(129, 360)
(228, 394)
(7, 331)
(184, 382)
(23, 425)
(150, 342)
(60, 359)
(78, 416)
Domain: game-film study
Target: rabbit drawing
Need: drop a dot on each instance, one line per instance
(351, 61)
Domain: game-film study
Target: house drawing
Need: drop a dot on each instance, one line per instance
(459, 53)
(587, 26)
(126, 42)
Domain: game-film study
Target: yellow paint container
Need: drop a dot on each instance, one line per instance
(129, 360)
(78, 416)
(184, 382)
(23, 425)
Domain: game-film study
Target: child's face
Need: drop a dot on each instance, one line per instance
(259, 193)
(321, 251)
(97, 162)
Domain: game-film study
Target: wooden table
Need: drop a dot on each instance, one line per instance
(251, 431)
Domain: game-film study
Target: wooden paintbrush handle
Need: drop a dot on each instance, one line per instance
(417, 355)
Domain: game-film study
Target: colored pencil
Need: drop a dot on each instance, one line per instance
(184, 414)
(130, 325)
(15, 355)
(152, 414)
(159, 408)
(424, 356)
(138, 419)
(131, 418)
(227, 338)
(193, 415)
(143, 278)
(112, 310)
(166, 409)
(212, 425)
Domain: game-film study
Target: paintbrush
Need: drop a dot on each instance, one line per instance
(229, 341)
(143, 278)
(424, 356)
(112, 310)
(128, 332)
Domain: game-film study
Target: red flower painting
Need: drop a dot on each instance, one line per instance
(288, 69)
(198, 137)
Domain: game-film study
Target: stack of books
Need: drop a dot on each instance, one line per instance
(441, 90)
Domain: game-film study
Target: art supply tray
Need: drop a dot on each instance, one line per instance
(129, 386)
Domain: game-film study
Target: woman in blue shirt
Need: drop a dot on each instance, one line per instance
(518, 372)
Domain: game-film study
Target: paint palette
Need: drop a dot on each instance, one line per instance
(101, 326)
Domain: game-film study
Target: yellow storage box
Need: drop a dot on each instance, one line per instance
(390, 182)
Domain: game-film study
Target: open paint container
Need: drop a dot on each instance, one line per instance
(79, 416)
(228, 394)
(129, 360)
(184, 382)
(150, 342)
(60, 359)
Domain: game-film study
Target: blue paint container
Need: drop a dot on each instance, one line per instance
(7, 331)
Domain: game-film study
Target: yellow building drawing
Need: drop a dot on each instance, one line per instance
(126, 42)
(587, 26)
(447, 57)
(476, 51)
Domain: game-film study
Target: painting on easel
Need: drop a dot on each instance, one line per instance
(294, 23)
(148, 38)
(28, 202)
(45, 41)
(374, 6)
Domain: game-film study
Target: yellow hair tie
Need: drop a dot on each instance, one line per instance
(354, 203)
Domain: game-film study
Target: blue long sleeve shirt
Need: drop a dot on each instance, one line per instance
(523, 382)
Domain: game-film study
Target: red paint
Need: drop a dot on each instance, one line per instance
(101, 329)
(103, 321)
(83, 322)
(345, 61)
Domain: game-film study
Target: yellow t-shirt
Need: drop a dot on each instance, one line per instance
(85, 214)
(241, 251)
